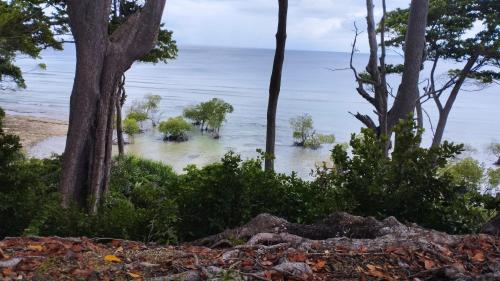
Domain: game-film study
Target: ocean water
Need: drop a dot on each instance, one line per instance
(241, 77)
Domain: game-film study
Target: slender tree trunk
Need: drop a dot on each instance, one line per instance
(445, 112)
(119, 129)
(406, 98)
(120, 100)
(101, 60)
(275, 85)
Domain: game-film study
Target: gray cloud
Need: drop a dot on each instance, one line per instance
(313, 24)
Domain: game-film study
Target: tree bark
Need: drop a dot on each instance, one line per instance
(120, 100)
(445, 111)
(406, 98)
(275, 85)
(101, 60)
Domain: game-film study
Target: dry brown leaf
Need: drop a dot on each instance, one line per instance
(478, 257)
(134, 275)
(297, 256)
(429, 264)
(112, 258)
(34, 247)
(377, 271)
(320, 264)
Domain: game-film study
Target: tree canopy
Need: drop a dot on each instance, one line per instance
(26, 28)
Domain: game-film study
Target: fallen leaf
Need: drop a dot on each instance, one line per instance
(134, 275)
(38, 248)
(268, 275)
(377, 271)
(429, 264)
(478, 257)
(112, 258)
(297, 256)
(320, 264)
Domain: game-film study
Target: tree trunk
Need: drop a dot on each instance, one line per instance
(445, 112)
(406, 98)
(275, 85)
(120, 100)
(119, 129)
(101, 59)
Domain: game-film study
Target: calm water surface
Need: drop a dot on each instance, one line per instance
(241, 77)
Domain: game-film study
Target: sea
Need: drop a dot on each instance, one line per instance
(316, 83)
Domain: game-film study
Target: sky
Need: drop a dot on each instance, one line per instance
(323, 25)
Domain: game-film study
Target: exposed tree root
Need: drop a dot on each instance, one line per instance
(271, 249)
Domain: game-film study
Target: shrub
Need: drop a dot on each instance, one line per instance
(409, 185)
(138, 116)
(175, 129)
(495, 149)
(131, 127)
(305, 135)
(209, 115)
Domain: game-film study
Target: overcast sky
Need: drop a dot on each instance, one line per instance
(312, 24)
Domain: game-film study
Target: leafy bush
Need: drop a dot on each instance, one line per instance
(175, 129)
(148, 201)
(305, 135)
(131, 127)
(495, 149)
(138, 116)
(412, 185)
(209, 115)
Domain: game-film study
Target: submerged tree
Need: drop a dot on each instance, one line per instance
(102, 59)
(372, 85)
(305, 135)
(495, 149)
(451, 35)
(210, 115)
(275, 85)
(175, 129)
(27, 27)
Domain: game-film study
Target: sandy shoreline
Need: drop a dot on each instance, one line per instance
(33, 130)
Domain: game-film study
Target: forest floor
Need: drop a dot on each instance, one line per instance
(32, 130)
(265, 249)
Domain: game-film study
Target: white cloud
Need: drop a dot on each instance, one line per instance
(312, 24)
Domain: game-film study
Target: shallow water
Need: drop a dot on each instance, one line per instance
(241, 77)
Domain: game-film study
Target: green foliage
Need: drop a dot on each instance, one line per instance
(495, 149)
(131, 127)
(467, 172)
(414, 184)
(148, 201)
(493, 177)
(137, 114)
(305, 135)
(175, 128)
(25, 28)
(452, 33)
(209, 115)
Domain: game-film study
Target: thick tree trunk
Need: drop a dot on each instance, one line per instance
(275, 85)
(101, 59)
(445, 111)
(406, 98)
